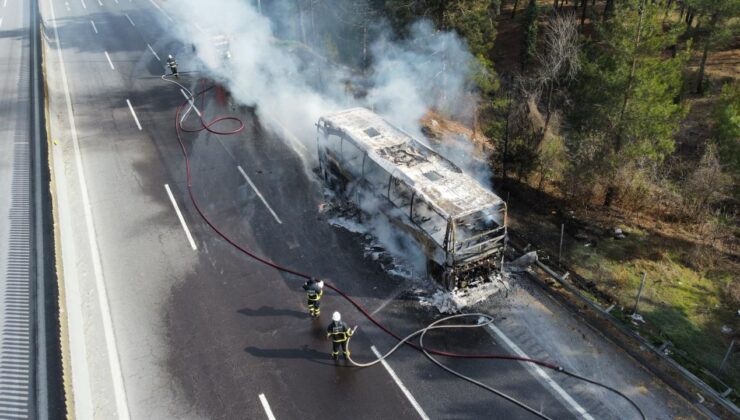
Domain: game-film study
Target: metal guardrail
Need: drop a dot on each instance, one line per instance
(48, 390)
(701, 390)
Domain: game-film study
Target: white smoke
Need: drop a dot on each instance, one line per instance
(428, 69)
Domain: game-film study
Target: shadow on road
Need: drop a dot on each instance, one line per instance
(270, 311)
(303, 352)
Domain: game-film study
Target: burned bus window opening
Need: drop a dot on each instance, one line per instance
(456, 222)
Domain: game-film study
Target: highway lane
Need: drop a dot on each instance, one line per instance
(204, 332)
(127, 197)
(339, 258)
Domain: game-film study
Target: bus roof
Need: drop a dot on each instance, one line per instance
(442, 183)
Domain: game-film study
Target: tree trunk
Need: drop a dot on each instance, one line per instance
(314, 37)
(300, 23)
(608, 9)
(667, 9)
(364, 49)
(505, 156)
(705, 54)
(611, 190)
(548, 110)
(513, 10)
(584, 6)
(630, 79)
(611, 194)
(541, 182)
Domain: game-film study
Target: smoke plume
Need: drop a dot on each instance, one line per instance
(293, 84)
(273, 64)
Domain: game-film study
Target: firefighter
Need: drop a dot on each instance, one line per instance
(172, 64)
(314, 291)
(339, 334)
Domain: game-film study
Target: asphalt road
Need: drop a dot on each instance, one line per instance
(164, 327)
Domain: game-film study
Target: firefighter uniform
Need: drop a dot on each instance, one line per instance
(339, 333)
(314, 291)
(172, 64)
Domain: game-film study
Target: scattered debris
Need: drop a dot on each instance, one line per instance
(442, 300)
(522, 263)
(452, 302)
(637, 318)
(725, 329)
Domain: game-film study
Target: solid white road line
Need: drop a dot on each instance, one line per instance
(1, 22)
(190, 108)
(94, 27)
(119, 390)
(84, 6)
(182, 219)
(138, 124)
(153, 52)
(192, 104)
(266, 406)
(5, 3)
(100, 2)
(400, 384)
(541, 373)
(259, 194)
(160, 9)
(129, 19)
(109, 61)
(116, 1)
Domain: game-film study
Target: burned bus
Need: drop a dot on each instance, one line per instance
(459, 224)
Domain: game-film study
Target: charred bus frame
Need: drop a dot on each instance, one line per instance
(459, 224)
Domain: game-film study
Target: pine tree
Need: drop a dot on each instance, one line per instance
(627, 105)
(715, 28)
(726, 131)
(531, 27)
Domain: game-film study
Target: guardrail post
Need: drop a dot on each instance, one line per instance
(639, 292)
(560, 250)
(727, 355)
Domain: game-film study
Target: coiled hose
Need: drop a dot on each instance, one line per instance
(209, 126)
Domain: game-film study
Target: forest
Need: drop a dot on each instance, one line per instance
(617, 121)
